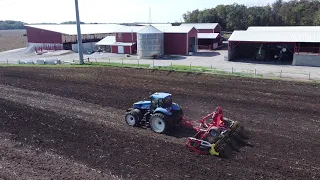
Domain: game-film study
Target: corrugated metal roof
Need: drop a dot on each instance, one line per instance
(107, 40)
(71, 29)
(275, 36)
(129, 29)
(156, 24)
(150, 30)
(208, 35)
(122, 44)
(175, 29)
(284, 28)
(201, 25)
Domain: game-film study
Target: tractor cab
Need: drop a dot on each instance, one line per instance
(160, 100)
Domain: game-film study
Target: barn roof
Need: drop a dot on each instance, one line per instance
(284, 28)
(155, 24)
(107, 40)
(276, 36)
(175, 29)
(129, 29)
(201, 25)
(208, 35)
(150, 30)
(71, 29)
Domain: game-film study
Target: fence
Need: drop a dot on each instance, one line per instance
(285, 73)
(206, 68)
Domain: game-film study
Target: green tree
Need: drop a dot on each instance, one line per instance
(7, 25)
(316, 20)
(240, 17)
(191, 17)
(208, 16)
(237, 18)
(71, 22)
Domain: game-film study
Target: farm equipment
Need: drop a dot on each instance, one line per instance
(260, 55)
(216, 135)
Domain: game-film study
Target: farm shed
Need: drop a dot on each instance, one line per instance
(105, 43)
(204, 27)
(289, 45)
(208, 35)
(57, 37)
(179, 40)
(209, 40)
(126, 40)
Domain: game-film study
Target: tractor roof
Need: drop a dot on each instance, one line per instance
(160, 95)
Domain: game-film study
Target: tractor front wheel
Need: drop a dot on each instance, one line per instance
(158, 123)
(133, 117)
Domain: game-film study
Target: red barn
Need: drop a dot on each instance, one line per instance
(205, 27)
(126, 40)
(209, 34)
(179, 40)
(57, 36)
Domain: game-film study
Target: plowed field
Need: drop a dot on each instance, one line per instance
(58, 123)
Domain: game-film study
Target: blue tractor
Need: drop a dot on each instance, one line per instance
(159, 113)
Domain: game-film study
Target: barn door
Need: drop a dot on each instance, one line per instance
(120, 49)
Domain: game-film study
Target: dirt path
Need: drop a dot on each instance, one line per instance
(78, 114)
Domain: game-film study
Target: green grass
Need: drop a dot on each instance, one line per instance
(181, 68)
(176, 68)
(90, 64)
(227, 35)
(112, 64)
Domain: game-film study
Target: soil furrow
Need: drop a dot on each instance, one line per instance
(78, 114)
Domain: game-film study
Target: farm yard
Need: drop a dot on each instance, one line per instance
(12, 39)
(69, 123)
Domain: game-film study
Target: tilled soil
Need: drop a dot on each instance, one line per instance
(78, 115)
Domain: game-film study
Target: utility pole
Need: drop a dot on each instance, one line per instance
(80, 48)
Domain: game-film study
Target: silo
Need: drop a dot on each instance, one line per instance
(150, 42)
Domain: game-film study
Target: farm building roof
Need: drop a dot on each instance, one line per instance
(175, 29)
(150, 30)
(111, 41)
(107, 40)
(129, 29)
(275, 36)
(122, 44)
(208, 35)
(71, 29)
(201, 25)
(156, 24)
(284, 28)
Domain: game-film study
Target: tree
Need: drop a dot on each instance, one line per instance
(316, 20)
(7, 25)
(191, 17)
(208, 16)
(71, 22)
(240, 17)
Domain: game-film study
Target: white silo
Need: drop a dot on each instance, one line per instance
(150, 42)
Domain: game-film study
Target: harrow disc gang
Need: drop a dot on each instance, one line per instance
(219, 141)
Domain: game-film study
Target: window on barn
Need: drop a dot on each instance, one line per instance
(119, 36)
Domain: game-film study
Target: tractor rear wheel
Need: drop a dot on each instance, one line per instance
(242, 132)
(133, 117)
(158, 123)
(225, 151)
